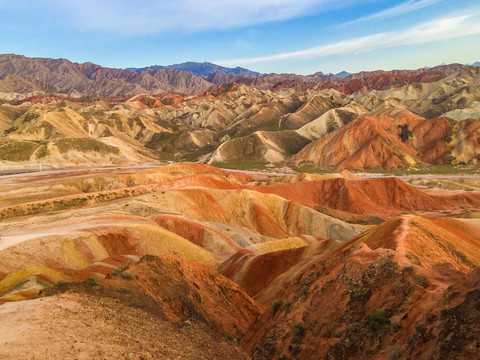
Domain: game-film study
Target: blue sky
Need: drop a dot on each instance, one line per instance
(294, 36)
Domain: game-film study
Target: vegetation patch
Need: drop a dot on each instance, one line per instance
(17, 151)
(246, 164)
(121, 269)
(84, 145)
(195, 154)
(298, 333)
(276, 305)
(310, 168)
(148, 101)
(377, 320)
(124, 291)
(427, 169)
(420, 280)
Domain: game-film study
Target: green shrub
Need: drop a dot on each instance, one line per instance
(377, 319)
(276, 305)
(124, 290)
(61, 282)
(396, 352)
(93, 280)
(299, 329)
(148, 101)
(420, 280)
(298, 333)
(127, 275)
(294, 349)
(121, 269)
(226, 336)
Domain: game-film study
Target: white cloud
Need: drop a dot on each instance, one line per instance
(435, 30)
(401, 9)
(149, 16)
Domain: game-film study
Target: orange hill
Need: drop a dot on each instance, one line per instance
(383, 197)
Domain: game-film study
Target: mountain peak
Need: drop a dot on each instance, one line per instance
(203, 70)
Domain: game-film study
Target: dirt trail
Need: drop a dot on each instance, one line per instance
(403, 230)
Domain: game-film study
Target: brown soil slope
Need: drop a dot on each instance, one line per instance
(82, 326)
(367, 142)
(381, 197)
(325, 309)
(193, 290)
(429, 242)
(255, 272)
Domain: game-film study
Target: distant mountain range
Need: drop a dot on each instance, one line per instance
(206, 70)
(23, 75)
(342, 74)
(203, 70)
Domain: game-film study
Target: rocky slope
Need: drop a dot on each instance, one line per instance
(24, 75)
(217, 264)
(371, 301)
(428, 118)
(393, 138)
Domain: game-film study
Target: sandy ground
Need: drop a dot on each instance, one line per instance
(79, 326)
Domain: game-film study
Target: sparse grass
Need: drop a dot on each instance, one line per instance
(148, 101)
(420, 331)
(430, 317)
(328, 332)
(310, 168)
(427, 170)
(127, 275)
(84, 145)
(298, 333)
(377, 320)
(121, 269)
(294, 349)
(165, 141)
(276, 305)
(17, 151)
(242, 164)
(226, 336)
(420, 280)
(396, 352)
(195, 154)
(42, 152)
(93, 280)
(124, 290)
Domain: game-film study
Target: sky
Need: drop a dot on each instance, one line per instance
(282, 36)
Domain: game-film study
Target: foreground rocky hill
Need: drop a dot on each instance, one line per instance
(191, 261)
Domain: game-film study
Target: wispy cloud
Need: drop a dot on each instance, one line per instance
(435, 30)
(147, 16)
(401, 9)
